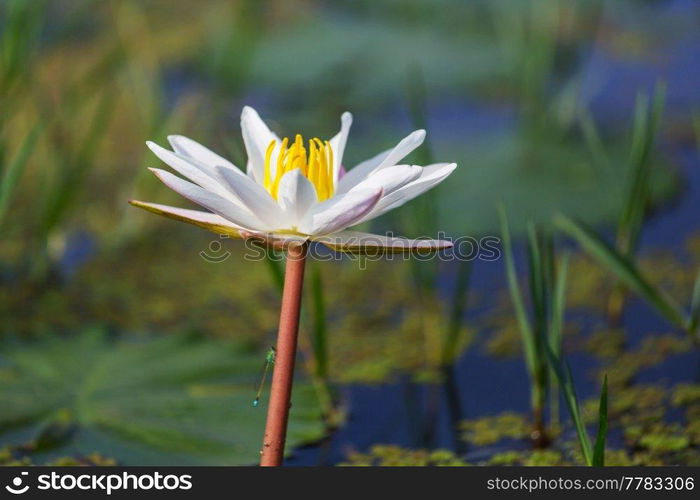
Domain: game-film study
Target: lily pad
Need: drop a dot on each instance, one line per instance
(172, 400)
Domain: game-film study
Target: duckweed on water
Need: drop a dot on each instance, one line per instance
(658, 438)
(528, 458)
(686, 395)
(396, 456)
(652, 351)
(489, 430)
(226, 301)
(605, 342)
(636, 400)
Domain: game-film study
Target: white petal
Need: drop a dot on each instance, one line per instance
(371, 163)
(403, 148)
(200, 174)
(339, 212)
(390, 179)
(206, 220)
(256, 137)
(194, 150)
(363, 170)
(296, 195)
(358, 242)
(338, 143)
(431, 175)
(255, 198)
(217, 204)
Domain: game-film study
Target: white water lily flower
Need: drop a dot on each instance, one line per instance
(294, 190)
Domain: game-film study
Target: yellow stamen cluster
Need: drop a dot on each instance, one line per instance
(317, 166)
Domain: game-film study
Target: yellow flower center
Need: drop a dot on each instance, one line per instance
(317, 165)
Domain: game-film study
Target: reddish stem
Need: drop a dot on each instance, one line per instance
(272, 452)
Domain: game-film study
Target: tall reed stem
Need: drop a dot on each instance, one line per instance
(272, 452)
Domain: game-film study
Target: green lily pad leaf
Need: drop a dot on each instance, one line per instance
(144, 401)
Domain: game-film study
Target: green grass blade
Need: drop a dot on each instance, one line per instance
(540, 268)
(75, 166)
(13, 172)
(556, 330)
(566, 381)
(623, 268)
(528, 337)
(536, 270)
(599, 449)
(559, 305)
(594, 143)
(696, 126)
(21, 29)
(646, 122)
(319, 331)
(694, 321)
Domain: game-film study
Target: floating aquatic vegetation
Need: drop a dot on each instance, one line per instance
(395, 456)
(636, 400)
(505, 340)
(692, 426)
(659, 438)
(686, 395)
(411, 338)
(639, 413)
(528, 458)
(606, 343)
(210, 296)
(490, 430)
(651, 351)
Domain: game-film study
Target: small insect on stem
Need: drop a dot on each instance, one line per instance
(269, 361)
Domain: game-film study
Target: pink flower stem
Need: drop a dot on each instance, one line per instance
(272, 452)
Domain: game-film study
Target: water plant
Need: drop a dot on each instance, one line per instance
(593, 452)
(542, 337)
(290, 197)
(10, 174)
(628, 272)
(638, 188)
(542, 329)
